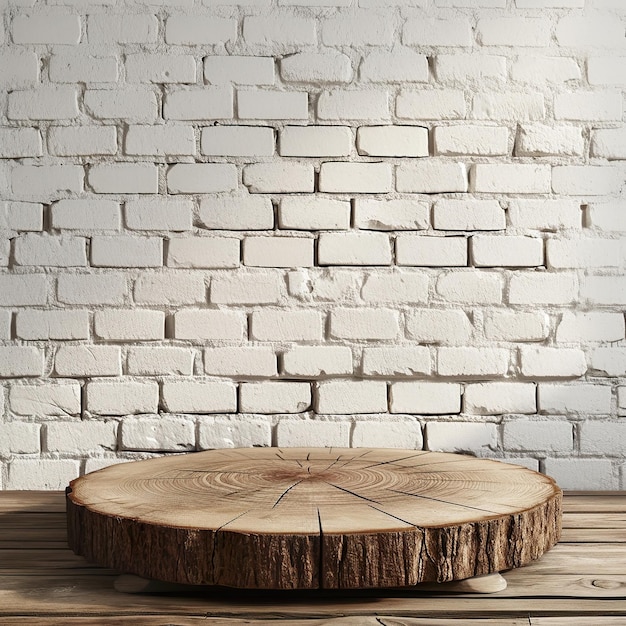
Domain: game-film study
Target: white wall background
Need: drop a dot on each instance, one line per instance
(312, 222)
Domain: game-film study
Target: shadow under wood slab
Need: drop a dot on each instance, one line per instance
(307, 518)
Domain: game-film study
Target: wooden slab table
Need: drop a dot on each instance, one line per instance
(580, 581)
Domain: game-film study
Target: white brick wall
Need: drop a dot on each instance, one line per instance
(312, 222)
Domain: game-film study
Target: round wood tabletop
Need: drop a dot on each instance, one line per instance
(304, 518)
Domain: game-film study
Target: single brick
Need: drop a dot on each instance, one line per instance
(56, 399)
(506, 251)
(122, 398)
(472, 361)
(203, 252)
(404, 66)
(88, 361)
(164, 434)
(19, 142)
(240, 361)
(439, 326)
(461, 437)
(131, 104)
(609, 143)
(405, 433)
(124, 178)
(357, 30)
(195, 30)
(395, 214)
(160, 140)
(437, 32)
(252, 288)
(272, 105)
(606, 70)
(278, 251)
(576, 30)
(129, 325)
(434, 104)
(199, 396)
(584, 253)
(349, 397)
(80, 140)
(163, 361)
(316, 361)
(193, 104)
(424, 251)
(343, 104)
(470, 139)
(508, 178)
(237, 141)
(431, 176)
(498, 398)
(311, 67)
(514, 31)
(209, 324)
(18, 68)
(405, 287)
(23, 289)
(469, 67)
(552, 215)
(592, 474)
(364, 323)
(542, 288)
(81, 437)
(280, 32)
(245, 212)
(46, 183)
(607, 216)
(603, 290)
(114, 29)
(401, 141)
(274, 397)
(64, 68)
(603, 438)
(552, 362)
(524, 435)
(609, 362)
(581, 398)
(41, 474)
(159, 214)
(44, 103)
(540, 70)
(21, 216)
(468, 215)
(122, 251)
(591, 106)
(20, 438)
(471, 286)
(540, 140)
(313, 213)
(425, 398)
(508, 106)
(314, 141)
(92, 289)
(278, 325)
(587, 180)
(354, 249)
(174, 287)
(593, 326)
(160, 68)
(46, 29)
(302, 433)
(241, 70)
(395, 361)
(338, 177)
(516, 326)
(49, 250)
(56, 325)
(238, 431)
(201, 177)
(279, 177)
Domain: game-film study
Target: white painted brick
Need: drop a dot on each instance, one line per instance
(552, 362)
(279, 325)
(23, 289)
(279, 177)
(545, 214)
(65, 68)
(328, 285)
(329, 67)
(279, 32)
(121, 251)
(498, 398)
(41, 474)
(124, 178)
(472, 286)
(609, 361)
(315, 361)
(313, 213)
(236, 212)
(122, 397)
(425, 398)
(129, 325)
(363, 29)
(507, 178)
(364, 324)
(209, 324)
(199, 396)
(18, 68)
(466, 67)
(439, 326)
(338, 177)
(468, 215)
(49, 29)
(160, 68)
(44, 103)
(508, 106)
(19, 438)
(340, 397)
(98, 463)
(56, 399)
(354, 249)
(45, 183)
(353, 104)
(553, 436)
(506, 251)
(590, 31)
(395, 214)
(159, 140)
(592, 106)
(253, 288)
(402, 433)
(272, 105)
(302, 433)
(203, 252)
(609, 143)
(5, 328)
(607, 216)
(19, 142)
(233, 432)
(431, 176)
(596, 474)
(540, 140)
(92, 289)
(193, 104)
(195, 30)
(21, 216)
(46, 250)
(170, 288)
(603, 290)
(435, 104)
(113, 29)
(132, 104)
(606, 70)
(472, 361)
(82, 140)
(46, 325)
(237, 141)
(514, 31)
(278, 251)
(426, 251)
(402, 141)
(542, 288)
(437, 32)
(516, 326)
(537, 70)
(241, 70)
(166, 434)
(201, 177)
(88, 361)
(395, 361)
(312, 141)
(158, 214)
(592, 326)
(81, 437)
(155, 361)
(548, 4)
(240, 361)
(274, 397)
(581, 398)
(400, 66)
(584, 253)
(405, 287)
(472, 140)
(461, 437)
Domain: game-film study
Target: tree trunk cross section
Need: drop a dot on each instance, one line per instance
(306, 518)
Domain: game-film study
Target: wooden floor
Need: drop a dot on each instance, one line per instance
(580, 581)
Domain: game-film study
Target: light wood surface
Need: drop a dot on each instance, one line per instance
(307, 518)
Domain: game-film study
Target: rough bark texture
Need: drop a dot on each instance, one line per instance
(313, 518)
